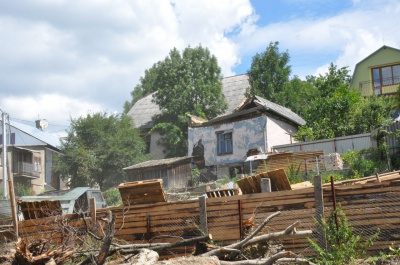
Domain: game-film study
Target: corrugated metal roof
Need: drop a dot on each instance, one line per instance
(280, 110)
(41, 135)
(233, 88)
(62, 195)
(160, 162)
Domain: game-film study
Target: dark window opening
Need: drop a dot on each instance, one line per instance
(224, 143)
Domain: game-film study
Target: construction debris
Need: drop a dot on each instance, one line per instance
(142, 192)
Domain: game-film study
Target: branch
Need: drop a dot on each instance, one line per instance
(185, 242)
(289, 232)
(240, 244)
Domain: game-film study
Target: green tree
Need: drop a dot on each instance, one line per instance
(96, 149)
(296, 95)
(329, 112)
(371, 113)
(327, 84)
(187, 83)
(269, 73)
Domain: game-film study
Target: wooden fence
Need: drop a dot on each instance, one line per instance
(369, 204)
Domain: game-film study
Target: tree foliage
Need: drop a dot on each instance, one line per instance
(185, 83)
(337, 110)
(269, 73)
(97, 149)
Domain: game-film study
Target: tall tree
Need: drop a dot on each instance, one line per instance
(328, 83)
(269, 73)
(96, 149)
(186, 83)
(337, 110)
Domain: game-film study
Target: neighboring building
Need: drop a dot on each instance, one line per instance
(220, 146)
(379, 73)
(30, 156)
(175, 172)
(143, 110)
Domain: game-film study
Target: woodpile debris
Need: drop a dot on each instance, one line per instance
(142, 192)
(307, 161)
(252, 184)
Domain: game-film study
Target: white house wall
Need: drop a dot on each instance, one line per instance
(278, 133)
(246, 134)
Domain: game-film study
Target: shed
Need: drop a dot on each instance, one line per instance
(175, 172)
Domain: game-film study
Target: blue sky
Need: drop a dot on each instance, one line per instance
(65, 58)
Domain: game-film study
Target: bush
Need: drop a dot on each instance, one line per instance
(342, 244)
(365, 162)
(113, 197)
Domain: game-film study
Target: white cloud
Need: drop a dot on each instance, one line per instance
(53, 107)
(344, 38)
(62, 58)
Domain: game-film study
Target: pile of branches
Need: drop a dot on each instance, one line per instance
(205, 253)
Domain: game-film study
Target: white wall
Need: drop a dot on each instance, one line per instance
(246, 134)
(279, 133)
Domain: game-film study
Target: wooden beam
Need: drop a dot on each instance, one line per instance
(203, 215)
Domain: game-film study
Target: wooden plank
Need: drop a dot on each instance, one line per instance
(319, 205)
(203, 215)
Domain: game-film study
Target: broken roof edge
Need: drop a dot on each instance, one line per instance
(194, 120)
(158, 163)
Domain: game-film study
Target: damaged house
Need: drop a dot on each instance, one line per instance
(220, 145)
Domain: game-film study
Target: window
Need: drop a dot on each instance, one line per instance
(224, 143)
(385, 76)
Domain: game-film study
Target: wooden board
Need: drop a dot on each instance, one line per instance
(142, 192)
(252, 184)
(279, 180)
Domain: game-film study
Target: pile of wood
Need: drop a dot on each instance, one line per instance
(306, 161)
(40, 209)
(252, 184)
(222, 193)
(142, 192)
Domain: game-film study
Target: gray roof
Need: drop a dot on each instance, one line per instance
(233, 88)
(280, 110)
(45, 137)
(160, 162)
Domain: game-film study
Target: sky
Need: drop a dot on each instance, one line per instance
(60, 59)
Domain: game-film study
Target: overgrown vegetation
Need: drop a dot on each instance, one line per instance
(113, 197)
(343, 245)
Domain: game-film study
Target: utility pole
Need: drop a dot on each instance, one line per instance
(3, 117)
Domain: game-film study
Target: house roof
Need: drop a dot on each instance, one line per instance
(369, 56)
(280, 110)
(234, 89)
(160, 162)
(45, 137)
(262, 104)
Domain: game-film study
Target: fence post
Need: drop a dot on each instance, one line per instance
(240, 219)
(92, 209)
(265, 185)
(203, 214)
(319, 210)
(148, 226)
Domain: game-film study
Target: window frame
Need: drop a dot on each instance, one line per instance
(224, 142)
(380, 82)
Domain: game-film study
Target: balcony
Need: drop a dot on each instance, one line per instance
(378, 87)
(28, 170)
